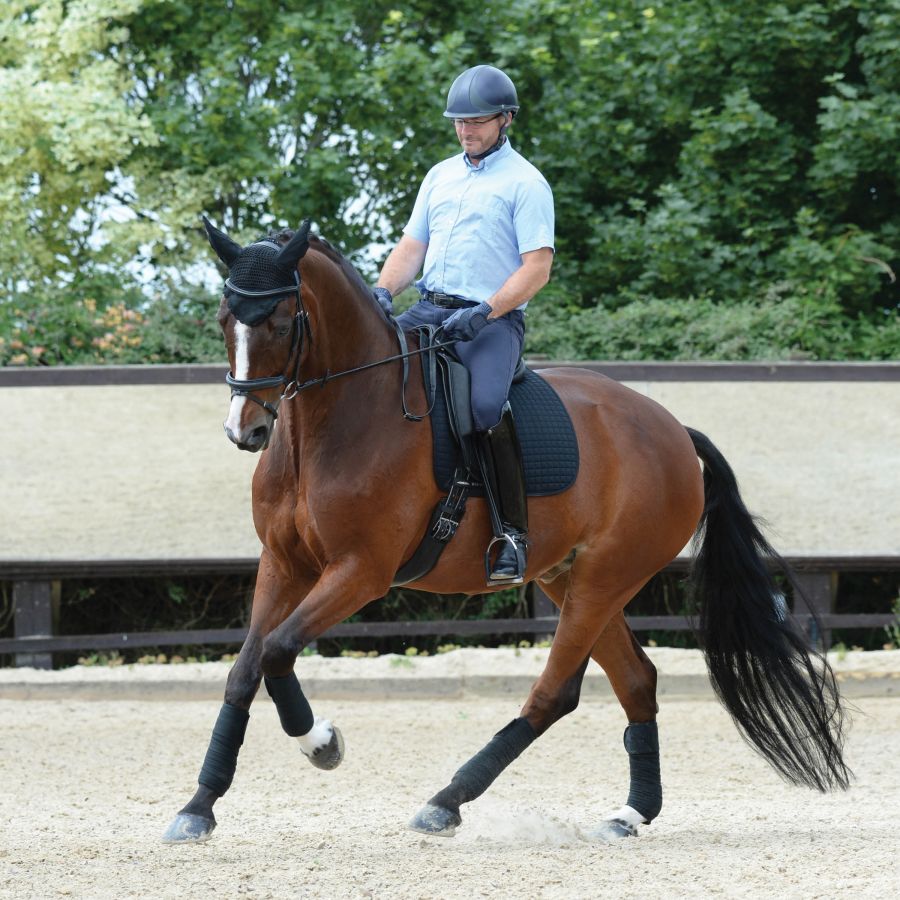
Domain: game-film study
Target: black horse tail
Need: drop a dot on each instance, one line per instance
(781, 695)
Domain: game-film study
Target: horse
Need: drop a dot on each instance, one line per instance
(343, 493)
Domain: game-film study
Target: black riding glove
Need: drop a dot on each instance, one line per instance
(385, 299)
(465, 324)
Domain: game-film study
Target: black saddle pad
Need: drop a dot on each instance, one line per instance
(549, 445)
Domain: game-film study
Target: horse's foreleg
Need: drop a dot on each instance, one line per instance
(320, 741)
(340, 591)
(195, 821)
(274, 597)
(632, 677)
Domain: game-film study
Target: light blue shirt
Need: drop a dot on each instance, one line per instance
(478, 222)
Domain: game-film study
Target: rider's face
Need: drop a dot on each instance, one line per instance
(478, 135)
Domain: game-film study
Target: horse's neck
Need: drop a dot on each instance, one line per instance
(348, 331)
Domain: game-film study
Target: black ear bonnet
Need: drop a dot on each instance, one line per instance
(260, 275)
(256, 283)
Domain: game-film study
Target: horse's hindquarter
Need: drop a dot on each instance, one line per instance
(639, 483)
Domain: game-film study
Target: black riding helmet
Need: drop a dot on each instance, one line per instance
(481, 91)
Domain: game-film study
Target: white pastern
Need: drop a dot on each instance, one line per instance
(626, 814)
(241, 373)
(317, 736)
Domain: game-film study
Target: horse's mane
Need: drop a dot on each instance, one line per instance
(326, 249)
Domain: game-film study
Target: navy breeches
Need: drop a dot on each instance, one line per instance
(491, 358)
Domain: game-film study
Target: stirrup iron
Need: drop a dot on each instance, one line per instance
(516, 545)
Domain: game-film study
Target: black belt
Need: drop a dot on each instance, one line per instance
(448, 301)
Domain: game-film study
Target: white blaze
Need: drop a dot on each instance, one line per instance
(241, 373)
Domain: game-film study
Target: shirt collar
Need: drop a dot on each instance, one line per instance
(491, 160)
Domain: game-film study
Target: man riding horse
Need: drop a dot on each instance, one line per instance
(481, 233)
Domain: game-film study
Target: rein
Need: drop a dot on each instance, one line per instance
(404, 355)
(247, 387)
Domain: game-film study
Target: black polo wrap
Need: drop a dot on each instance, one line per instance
(642, 744)
(293, 707)
(221, 756)
(476, 776)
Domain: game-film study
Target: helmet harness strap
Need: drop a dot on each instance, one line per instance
(501, 140)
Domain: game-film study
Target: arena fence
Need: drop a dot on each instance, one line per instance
(35, 587)
(35, 583)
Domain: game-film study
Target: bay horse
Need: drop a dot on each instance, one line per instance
(344, 491)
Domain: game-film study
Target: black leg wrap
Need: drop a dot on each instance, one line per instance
(645, 793)
(476, 776)
(293, 707)
(221, 757)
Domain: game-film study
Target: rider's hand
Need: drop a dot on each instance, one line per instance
(385, 299)
(466, 323)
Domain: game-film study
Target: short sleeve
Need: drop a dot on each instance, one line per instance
(417, 226)
(533, 217)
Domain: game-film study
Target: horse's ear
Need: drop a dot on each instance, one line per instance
(226, 249)
(294, 250)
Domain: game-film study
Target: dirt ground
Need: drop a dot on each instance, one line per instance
(87, 788)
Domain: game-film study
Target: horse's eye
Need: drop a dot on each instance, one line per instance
(283, 330)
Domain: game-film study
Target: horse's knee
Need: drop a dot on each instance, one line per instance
(278, 655)
(242, 685)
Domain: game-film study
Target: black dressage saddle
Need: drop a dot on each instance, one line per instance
(547, 438)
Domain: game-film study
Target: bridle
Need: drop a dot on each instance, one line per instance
(300, 329)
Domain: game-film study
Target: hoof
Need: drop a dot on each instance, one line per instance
(435, 820)
(187, 828)
(614, 830)
(331, 754)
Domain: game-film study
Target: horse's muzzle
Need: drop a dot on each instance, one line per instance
(250, 439)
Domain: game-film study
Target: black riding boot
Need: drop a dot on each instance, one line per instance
(504, 479)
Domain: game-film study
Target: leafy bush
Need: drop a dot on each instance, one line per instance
(702, 157)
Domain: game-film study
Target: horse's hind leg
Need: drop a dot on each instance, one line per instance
(632, 677)
(554, 695)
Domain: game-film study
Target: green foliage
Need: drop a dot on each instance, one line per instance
(893, 630)
(725, 175)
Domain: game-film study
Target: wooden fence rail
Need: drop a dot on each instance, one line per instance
(41, 644)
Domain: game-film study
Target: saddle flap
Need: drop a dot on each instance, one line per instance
(457, 390)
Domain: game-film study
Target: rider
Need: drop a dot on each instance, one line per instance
(481, 233)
